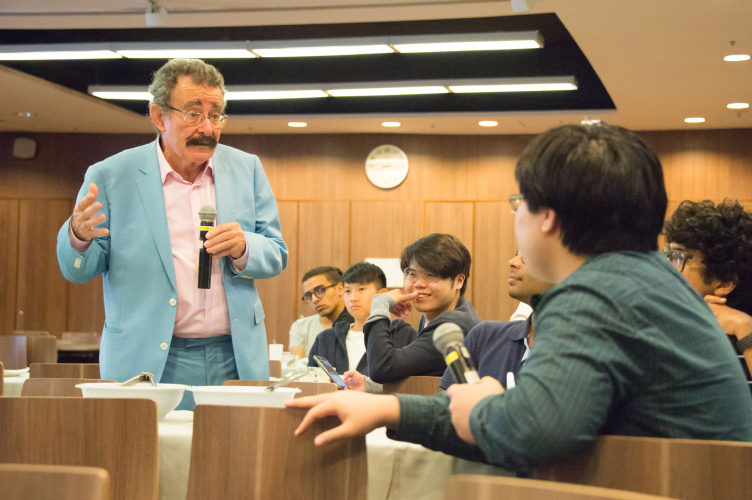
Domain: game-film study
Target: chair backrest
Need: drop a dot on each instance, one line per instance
(118, 435)
(13, 352)
(64, 370)
(32, 333)
(56, 387)
(422, 386)
(689, 469)
(41, 349)
(275, 368)
(53, 482)
(2, 380)
(306, 388)
(249, 453)
(468, 487)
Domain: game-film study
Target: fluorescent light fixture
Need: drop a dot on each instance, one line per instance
(274, 94)
(132, 96)
(488, 123)
(694, 120)
(390, 124)
(738, 105)
(335, 50)
(297, 124)
(381, 91)
(516, 87)
(52, 55)
(467, 46)
(736, 57)
(470, 41)
(187, 53)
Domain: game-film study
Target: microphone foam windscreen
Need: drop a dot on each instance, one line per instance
(207, 213)
(445, 334)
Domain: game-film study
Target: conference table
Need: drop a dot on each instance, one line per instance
(396, 470)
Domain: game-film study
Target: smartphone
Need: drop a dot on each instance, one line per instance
(329, 369)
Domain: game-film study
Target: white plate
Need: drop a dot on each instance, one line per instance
(15, 373)
(243, 396)
(167, 396)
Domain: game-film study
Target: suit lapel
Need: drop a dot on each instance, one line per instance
(152, 199)
(222, 193)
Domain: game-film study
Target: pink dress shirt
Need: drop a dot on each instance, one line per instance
(200, 313)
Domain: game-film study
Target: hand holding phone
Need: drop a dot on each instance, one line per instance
(329, 369)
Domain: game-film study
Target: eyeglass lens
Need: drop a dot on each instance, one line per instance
(413, 275)
(319, 291)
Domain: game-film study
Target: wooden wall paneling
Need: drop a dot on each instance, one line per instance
(279, 295)
(86, 306)
(494, 245)
(455, 219)
(323, 240)
(384, 229)
(8, 264)
(42, 292)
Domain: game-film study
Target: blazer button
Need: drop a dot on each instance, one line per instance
(164, 346)
(173, 302)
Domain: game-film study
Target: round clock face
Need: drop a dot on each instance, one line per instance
(386, 166)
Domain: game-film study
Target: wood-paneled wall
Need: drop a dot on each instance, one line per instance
(330, 213)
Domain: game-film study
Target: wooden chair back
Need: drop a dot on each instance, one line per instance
(53, 482)
(689, 469)
(275, 368)
(41, 349)
(422, 386)
(64, 370)
(118, 435)
(32, 333)
(306, 388)
(249, 453)
(468, 487)
(56, 387)
(2, 380)
(13, 352)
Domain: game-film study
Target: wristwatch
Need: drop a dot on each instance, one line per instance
(744, 343)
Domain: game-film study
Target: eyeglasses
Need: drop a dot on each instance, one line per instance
(514, 202)
(677, 258)
(319, 292)
(413, 275)
(194, 118)
(519, 254)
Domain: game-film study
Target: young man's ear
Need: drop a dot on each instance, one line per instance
(340, 289)
(459, 280)
(156, 116)
(550, 224)
(725, 287)
(383, 290)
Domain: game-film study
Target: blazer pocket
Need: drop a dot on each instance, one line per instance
(258, 312)
(244, 205)
(113, 330)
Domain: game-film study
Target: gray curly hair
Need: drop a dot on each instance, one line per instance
(166, 78)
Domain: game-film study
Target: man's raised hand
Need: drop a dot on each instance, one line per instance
(84, 222)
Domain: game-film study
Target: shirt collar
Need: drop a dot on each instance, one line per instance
(520, 333)
(165, 168)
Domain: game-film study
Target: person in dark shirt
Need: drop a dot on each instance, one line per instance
(499, 348)
(711, 246)
(344, 344)
(622, 345)
(436, 269)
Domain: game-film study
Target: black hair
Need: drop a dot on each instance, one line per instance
(364, 273)
(332, 274)
(604, 183)
(723, 235)
(441, 254)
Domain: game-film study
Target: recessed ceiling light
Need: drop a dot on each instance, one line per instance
(25, 114)
(694, 120)
(589, 121)
(297, 124)
(58, 55)
(390, 124)
(187, 53)
(738, 105)
(337, 50)
(488, 123)
(736, 57)
(387, 91)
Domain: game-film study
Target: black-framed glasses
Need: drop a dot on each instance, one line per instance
(677, 258)
(194, 118)
(413, 275)
(319, 292)
(514, 202)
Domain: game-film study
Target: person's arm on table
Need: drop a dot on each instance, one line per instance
(733, 322)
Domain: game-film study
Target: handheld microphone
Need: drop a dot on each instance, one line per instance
(206, 214)
(448, 340)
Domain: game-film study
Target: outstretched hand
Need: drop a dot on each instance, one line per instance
(83, 222)
(359, 413)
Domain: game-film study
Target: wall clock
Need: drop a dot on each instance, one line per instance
(386, 166)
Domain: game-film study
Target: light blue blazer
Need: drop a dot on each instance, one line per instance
(136, 262)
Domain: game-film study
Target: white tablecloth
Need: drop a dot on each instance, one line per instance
(13, 385)
(396, 470)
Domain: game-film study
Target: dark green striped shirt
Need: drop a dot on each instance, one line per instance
(622, 346)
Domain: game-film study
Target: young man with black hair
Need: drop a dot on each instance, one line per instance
(711, 246)
(323, 291)
(621, 344)
(344, 344)
(436, 269)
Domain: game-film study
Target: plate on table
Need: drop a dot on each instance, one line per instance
(15, 373)
(243, 396)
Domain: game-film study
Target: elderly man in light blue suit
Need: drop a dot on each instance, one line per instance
(135, 222)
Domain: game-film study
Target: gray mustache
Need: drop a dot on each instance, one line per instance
(202, 140)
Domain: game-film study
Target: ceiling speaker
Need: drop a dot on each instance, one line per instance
(24, 148)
